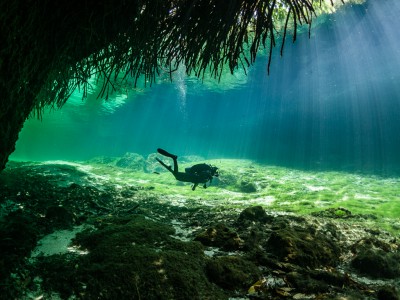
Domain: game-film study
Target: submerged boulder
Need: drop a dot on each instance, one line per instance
(152, 165)
(246, 186)
(232, 272)
(253, 214)
(337, 213)
(130, 258)
(376, 259)
(377, 263)
(303, 247)
(132, 161)
(388, 293)
(220, 236)
(60, 217)
(104, 160)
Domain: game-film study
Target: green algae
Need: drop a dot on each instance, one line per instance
(150, 239)
(232, 272)
(278, 188)
(131, 257)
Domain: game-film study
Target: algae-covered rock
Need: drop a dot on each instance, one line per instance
(152, 165)
(377, 263)
(375, 258)
(132, 258)
(220, 236)
(246, 186)
(132, 161)
(388, 293)
(105, 160)
(303, 247)
(253, 214)
(18, 236)
(232, 272)
(337, 213)
(304, 283)
(60, 217)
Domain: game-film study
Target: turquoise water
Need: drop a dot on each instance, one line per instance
(331, 102)
(300, 209)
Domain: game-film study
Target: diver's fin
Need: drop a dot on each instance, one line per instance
(164, 165)
(165, 153)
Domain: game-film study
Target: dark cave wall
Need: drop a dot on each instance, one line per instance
(12, 118)
(39, 37)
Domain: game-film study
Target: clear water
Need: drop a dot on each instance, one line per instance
(306, 143)
(331, 102)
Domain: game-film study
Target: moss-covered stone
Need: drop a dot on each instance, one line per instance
(303, 247)
(305, 283)
(106, 160)
(232, 272)
(220, 236)
(152, 165)
(18, 237)
(376, 258)
(338, 213)
(253, 214)
(377, 263)
(60, 217)
(388, 293)
(135, 258)
(131, 161)
(247, 186)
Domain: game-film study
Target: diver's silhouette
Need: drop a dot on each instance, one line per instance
(200, 173)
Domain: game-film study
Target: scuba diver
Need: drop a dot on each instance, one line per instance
(197, 174)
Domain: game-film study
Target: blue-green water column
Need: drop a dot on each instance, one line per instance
(331, 102)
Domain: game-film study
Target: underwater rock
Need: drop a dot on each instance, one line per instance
(303, 247)
(132, 161)
(227, 179)
(130, 258)
(104, 160)
(18, 236)
(375, 258)
(388, 293)
(60, 217)
(220, 236)
(337, 213)
(129, 191)
(245, 186)
(376, 263)
(152, 165)
(252, 238)
(253, 214)
(305, 283)
(232, 272)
